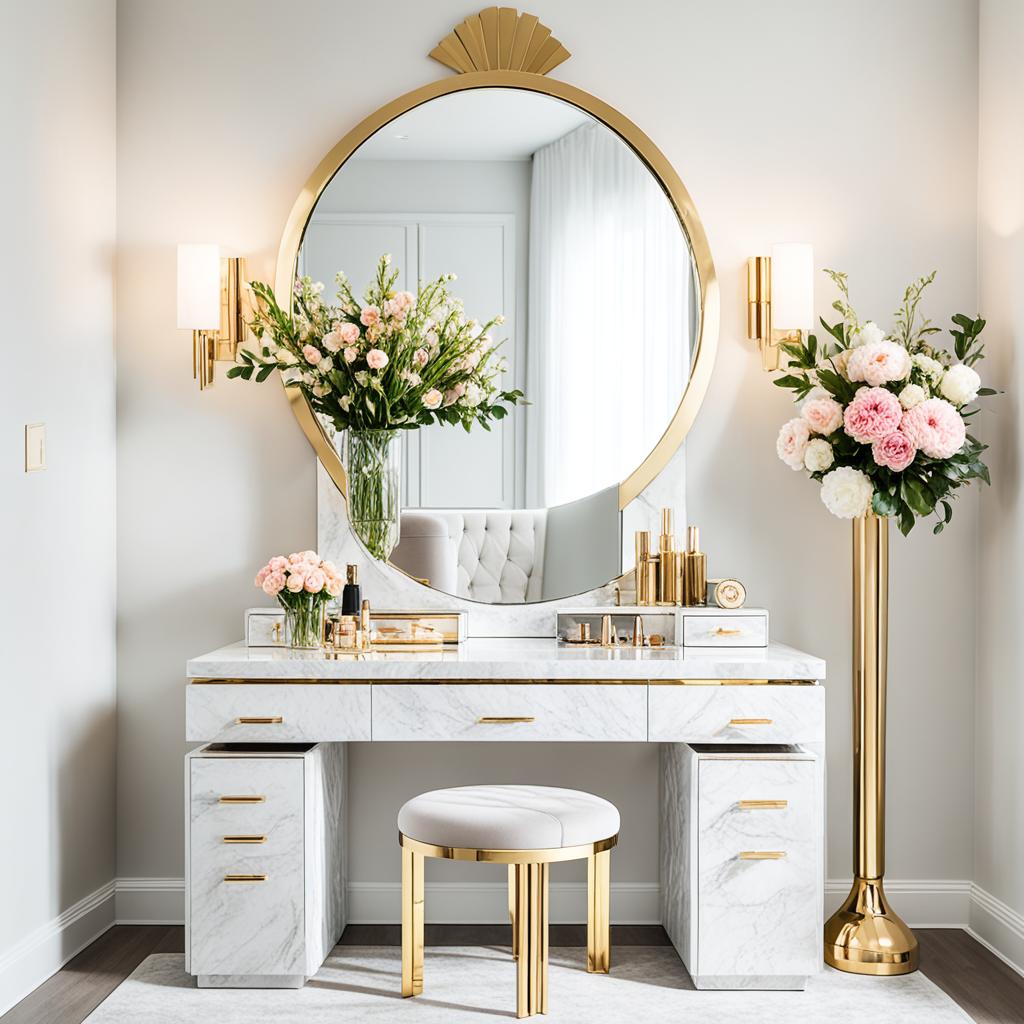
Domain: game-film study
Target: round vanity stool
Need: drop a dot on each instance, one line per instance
(527, 828)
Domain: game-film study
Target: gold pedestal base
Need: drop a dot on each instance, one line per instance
(865, 936)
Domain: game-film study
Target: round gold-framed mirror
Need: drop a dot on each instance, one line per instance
(705, 329)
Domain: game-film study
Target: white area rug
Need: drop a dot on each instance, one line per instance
(477, 984)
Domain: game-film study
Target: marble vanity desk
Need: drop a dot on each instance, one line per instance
(536, 689)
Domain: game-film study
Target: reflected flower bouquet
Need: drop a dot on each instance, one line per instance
(882, 422)
(395, 361)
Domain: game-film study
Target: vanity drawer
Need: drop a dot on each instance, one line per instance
(510, 711)
(758, 881)
(277, 712)
(246, 895)
(725, 630)
(736, 714)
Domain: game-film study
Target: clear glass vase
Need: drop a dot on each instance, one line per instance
(373, 465)
(304, 620)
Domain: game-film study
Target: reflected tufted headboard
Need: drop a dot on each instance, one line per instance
(499, 553)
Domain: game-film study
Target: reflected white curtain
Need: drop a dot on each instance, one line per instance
(610, 316)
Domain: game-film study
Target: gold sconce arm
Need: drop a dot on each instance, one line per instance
(780, 299)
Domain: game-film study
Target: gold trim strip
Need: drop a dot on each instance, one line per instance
(259, 720)
(549, 856)
(245, 878)
(242, 800)
(244, 839)
(750, 721)
(504, 719)
(759, 805)
(762, 855)
(307, 681)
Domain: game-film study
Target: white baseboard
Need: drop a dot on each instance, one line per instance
(997, 926)
(149, 900)
(44, 951)
(922, 903)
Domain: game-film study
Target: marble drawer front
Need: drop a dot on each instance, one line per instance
(730, 630)
(510, 711)
(736, 714)
(257, 926)
(277, 712)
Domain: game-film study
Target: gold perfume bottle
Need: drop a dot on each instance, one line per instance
(646, 570)
(666, 560)
(696, 570)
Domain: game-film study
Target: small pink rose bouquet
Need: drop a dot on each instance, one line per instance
(883, 416)
(303, 584)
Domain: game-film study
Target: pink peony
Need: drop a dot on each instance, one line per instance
(315, 581)
(262, 575)
(349, 333)
(823, 415)
(420, 357)
(350, 354)
(278, 563)
(312, 354)
(334, 585)
(405, 300)
(296, 581)
(432, 399)
(370, 316)
(331, 341)
(895, 451)
(376, 359)
(273, 584)
(935, 427)
(792, 443)
(878, 363)
(873, 414)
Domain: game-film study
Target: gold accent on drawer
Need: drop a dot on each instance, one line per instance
(504, 719)
(245, 878)
(761, 805)
(242, 800)
(722, 631)
(762, 855)
(259, 720)
(297, 681)
(750, 721)
(244, 839)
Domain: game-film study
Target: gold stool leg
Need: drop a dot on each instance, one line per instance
(513, 883)
(412, 923)
(599, 947)
(531, 923)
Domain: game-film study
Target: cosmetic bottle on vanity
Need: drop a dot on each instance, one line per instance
(351, 596)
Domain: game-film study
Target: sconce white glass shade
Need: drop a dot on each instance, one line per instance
(198, 287)
(792, 286)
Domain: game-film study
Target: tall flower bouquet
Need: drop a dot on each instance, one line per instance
(883, 416)
(303, 585)
(396, 361)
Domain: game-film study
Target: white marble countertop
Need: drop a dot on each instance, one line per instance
(539, 659)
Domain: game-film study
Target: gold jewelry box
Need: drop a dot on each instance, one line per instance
(416, 628)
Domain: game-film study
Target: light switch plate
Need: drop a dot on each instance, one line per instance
(35, 447)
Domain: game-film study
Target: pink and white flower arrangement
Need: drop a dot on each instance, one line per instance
(303, 584)
(380, 365)
(883, 419)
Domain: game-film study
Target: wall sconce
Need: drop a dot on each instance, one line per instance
(780, 298)
(211, 305)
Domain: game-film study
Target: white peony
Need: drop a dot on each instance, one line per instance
(960, 384)
(473, 397)
(847, 492)
(869, 334)
(326, 365)
(930, 368)
(911, 395)
(818, 455)
(878, 363)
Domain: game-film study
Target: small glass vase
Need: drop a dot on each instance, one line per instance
(373, 465)
(304, 621)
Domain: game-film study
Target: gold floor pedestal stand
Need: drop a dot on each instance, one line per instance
(864, 936)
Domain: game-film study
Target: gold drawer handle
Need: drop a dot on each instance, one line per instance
(504, 719)
(245, 878)
(759, 805)
(750, 721)
(244, 839)
(722, 631)
(763, 855)
(242, 799)
(259, 720)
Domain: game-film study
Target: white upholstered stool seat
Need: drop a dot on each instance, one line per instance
(508, 818)
(528, 828)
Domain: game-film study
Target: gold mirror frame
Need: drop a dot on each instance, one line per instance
(645, 149)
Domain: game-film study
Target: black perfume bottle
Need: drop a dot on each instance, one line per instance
(351, 597)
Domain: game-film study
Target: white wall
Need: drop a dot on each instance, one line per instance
(862, 140)
(57, 605)
(999, 704)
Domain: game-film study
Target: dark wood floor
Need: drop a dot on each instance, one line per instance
(980, 982)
